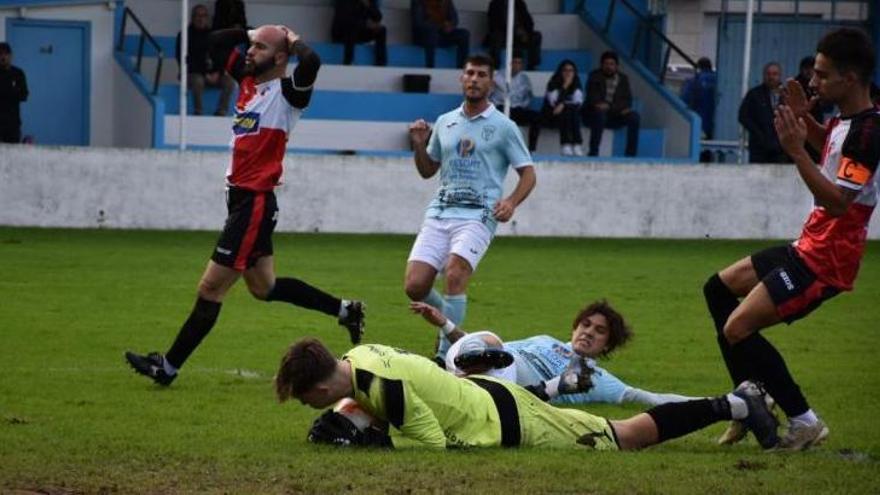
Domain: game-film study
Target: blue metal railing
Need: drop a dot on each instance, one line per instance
(145, 36)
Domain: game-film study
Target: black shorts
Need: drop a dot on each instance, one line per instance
(794, 288)
(247, 235)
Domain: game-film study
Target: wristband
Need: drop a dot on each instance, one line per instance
(447, 327)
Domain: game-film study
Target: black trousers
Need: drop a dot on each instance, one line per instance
(527, 117)
(363, 34)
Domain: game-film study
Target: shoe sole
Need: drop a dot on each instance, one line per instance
(730, 439)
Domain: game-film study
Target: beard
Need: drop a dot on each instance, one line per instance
(257, 69)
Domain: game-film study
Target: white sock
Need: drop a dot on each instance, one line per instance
(169, 369)
(808, 418)
(738, 407)
(343, 309)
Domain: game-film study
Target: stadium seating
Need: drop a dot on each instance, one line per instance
(369, 100)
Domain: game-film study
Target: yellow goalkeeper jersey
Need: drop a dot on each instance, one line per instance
(434, 407)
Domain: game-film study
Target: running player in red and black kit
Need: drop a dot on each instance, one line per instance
(786, 283)
(268, 107)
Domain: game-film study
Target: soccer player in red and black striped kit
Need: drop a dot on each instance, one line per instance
(786, 283)
(268, 107)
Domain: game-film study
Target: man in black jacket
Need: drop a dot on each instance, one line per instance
(13, 91)
(204, 66)
(359, 21)
(756, 115)
(525, 38)
(609, 104)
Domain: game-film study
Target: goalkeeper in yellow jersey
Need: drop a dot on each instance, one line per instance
(437, 409)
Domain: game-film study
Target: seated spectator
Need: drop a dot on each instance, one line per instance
(204, 67)
(609, 104)
(520, 99)
(756, 115)
(524, 35)
(359, 21)
(562, 107)
(434, 23)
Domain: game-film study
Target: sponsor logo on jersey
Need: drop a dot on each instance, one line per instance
(246, 123)
(466, 147)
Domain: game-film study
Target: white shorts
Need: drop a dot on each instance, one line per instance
(439, 238)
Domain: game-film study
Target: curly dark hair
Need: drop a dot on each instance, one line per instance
(619, 332)
(307, 363)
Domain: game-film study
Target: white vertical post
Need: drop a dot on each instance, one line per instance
(507, 65)
(747, 63)
(184, 49)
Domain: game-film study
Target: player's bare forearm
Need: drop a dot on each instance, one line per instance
(827, 194)
(424, 164)
(527, 181)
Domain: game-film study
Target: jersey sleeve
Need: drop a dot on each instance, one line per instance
(434, 143)
(515, 148)
(860, 154)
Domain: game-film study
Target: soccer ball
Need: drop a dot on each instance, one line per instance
(352, 411)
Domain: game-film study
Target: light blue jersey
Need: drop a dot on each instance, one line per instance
(474, 155)
(542, 357)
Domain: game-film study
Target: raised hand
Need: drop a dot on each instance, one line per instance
(419, 132)
(791, 129)
(431, 314)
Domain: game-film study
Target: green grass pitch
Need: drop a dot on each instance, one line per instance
(75, 419)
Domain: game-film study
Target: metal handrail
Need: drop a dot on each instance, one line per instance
(644, 24)
(145, 36)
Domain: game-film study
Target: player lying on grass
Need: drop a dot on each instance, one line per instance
(438, 409)
(539, 363)
(786, 283)
(269, 105)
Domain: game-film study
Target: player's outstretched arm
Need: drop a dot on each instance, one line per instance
(435, 317)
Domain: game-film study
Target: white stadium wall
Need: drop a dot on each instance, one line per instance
(156, 189)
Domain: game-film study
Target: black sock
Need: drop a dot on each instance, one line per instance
(768, 367)
(196, 327)
(721, 302)
(677, 419)
(297, 292)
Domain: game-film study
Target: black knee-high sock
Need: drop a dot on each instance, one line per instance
(721, 302)
(677, 419)
(201, 320)
(297, 292)
(768, 367)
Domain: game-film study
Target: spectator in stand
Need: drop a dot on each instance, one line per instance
(698, 93)
(13, 91)
(609, 104)
(204, 67)
(520, 99)
(524, 35)
(229, 14)
(359, 21)
(756, 115)
(434, 23)
(562, 107)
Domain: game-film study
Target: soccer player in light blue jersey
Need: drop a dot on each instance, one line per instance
(542, 363)
(472, 147)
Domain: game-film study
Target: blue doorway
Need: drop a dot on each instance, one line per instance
(55, 57)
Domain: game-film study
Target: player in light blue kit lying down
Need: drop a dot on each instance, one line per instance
(563, 373)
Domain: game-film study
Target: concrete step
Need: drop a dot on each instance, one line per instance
(325, 134)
